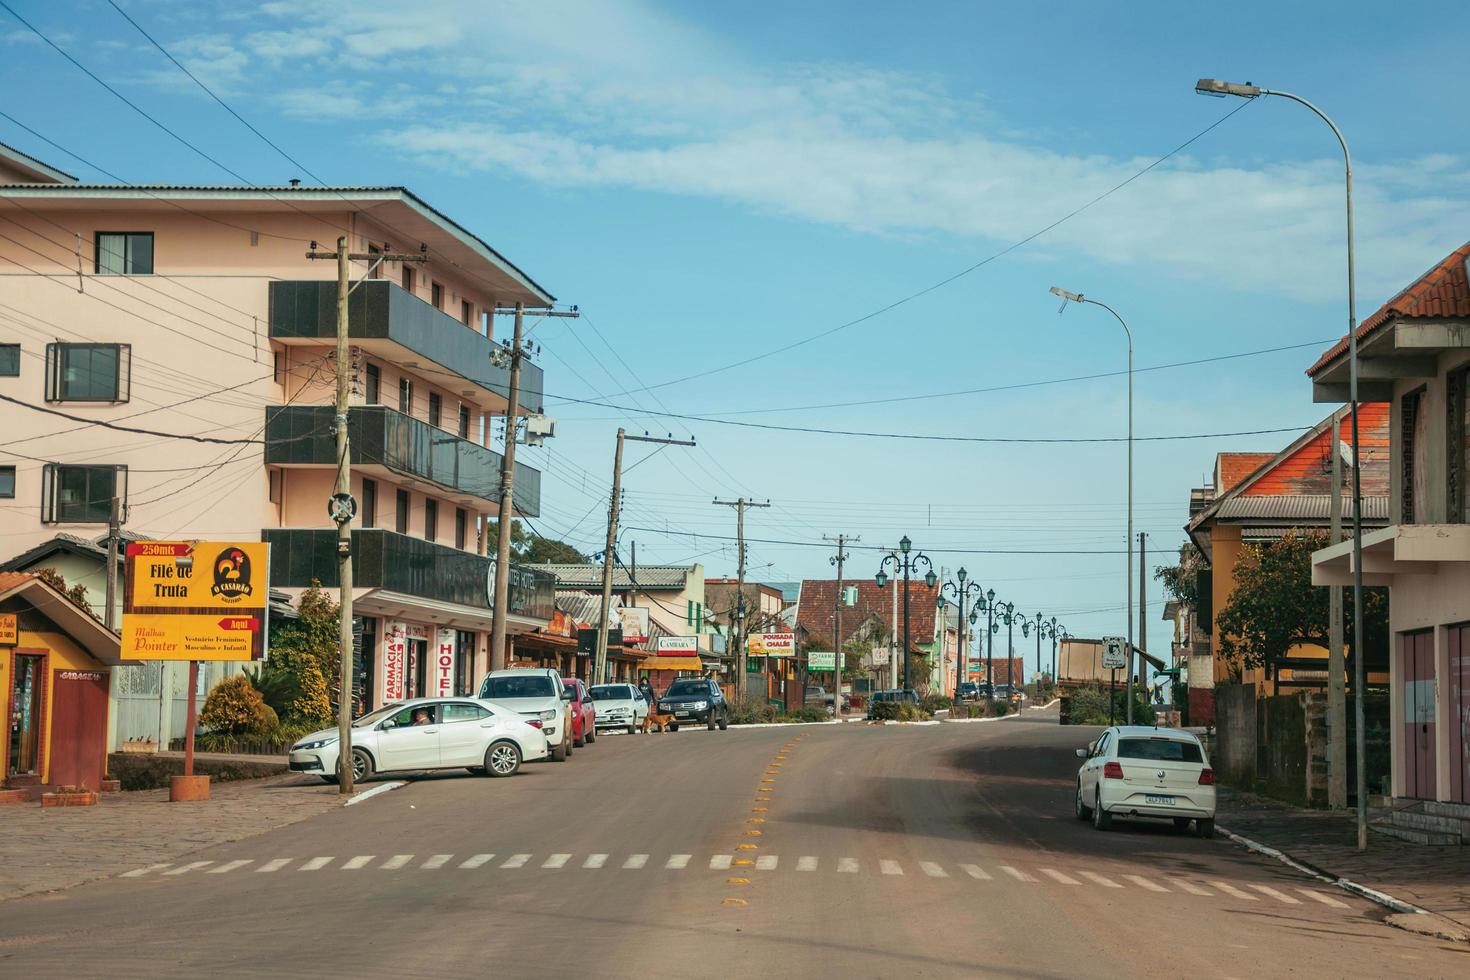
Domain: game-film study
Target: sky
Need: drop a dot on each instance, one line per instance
(714, 184)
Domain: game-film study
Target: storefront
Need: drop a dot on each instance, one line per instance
(55, 665)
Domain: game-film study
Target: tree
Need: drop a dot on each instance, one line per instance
(305, 661)
(1182, 580)
(1275, 606)
(529, 547)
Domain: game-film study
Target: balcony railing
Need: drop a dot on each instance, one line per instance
(383, 311)
(411, 566)
(303, 435)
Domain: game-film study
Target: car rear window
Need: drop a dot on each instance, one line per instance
(1159, 750)
(679, 688)
(518, 686)
(617, 692)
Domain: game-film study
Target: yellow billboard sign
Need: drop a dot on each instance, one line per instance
(195, 600)
(9, 629)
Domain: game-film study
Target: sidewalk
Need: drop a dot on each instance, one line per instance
(48, 849)
(1436, 879)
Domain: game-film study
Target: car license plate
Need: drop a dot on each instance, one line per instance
(681, 714)
(1158, 800)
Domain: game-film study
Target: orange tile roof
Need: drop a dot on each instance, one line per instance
(1443, 291)
(9, 580)
(1234, 467)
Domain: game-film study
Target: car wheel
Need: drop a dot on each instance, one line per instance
(362, 766)
(724, 721)
(579, 742)
(502, 759)
(673, 726)
(328, 779)
(1205, 827)
(1101, 819)
(709, 722)
(1083, 812)
(592, 734)
(560, 752)
(1181, 823)
(632, 729)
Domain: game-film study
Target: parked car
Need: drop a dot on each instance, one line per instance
(696, 699)
(892, 694)
(818, 696)
(584, 712)
(969, 691)
(1005, 692)
(619, 706)
(538, 694)
(1137, 771)
(426, 733)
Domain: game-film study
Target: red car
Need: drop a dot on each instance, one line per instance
(584, 713)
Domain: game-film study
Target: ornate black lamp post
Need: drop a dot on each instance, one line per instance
(962, 591)
(907, 563)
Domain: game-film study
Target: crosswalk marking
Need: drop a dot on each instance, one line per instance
(847, 865)
(766, 862)
(720, 862)
(678, 862)
(1232, 890)
(1324, 899)
(397, 861)
(229, 866)
(595, 861)
(807, 863)
(1059, 876)
(516, 861)
(636, 861)
(1279, 896)
(933, 870)
(191, 866)
(140, 872)
(1094, 876)
(479, 860)
(1188, 886)
(316, 864)
(274, 864)
(974, 871)
(436, 861)
(1145, 883)
(890, 867)
(1016, 873)
(361, 861)
(556, 861)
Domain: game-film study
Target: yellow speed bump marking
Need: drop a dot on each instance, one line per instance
(743, 861)
(763, 799)
(773, 772)
(753, 833)
(760, 809)
(747, 847)
(733, 901)
(756, 820)
(737, 881)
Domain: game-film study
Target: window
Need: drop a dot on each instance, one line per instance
(466, 311)
(375, 266)
(10, 360)
(278, 367)
(374, 392)
(408, 277)
(461, 524)
(7, 481)
(464, 421)
(124, 253)
(1457, 447)
(369, 503)
(400, 523)
(405, 396)
(456, 711)
(273, 486)
(509, 686)
(694, 613)
(436, 295)
(431, 519)
(88, 372)
(80, 494)
(1159, 750)
(436, 409)
(419, 714)
(1412, 463)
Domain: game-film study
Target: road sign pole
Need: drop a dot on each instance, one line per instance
(1112, 694)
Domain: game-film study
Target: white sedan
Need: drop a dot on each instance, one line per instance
(1137, 771)
(619, 706)
(426, 733)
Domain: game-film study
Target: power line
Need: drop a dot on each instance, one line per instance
(128, 428)
(880, 548)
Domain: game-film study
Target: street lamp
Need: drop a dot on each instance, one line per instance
(1052, 630)
(1039, 625)
(1067, 297)
(991, 609)
(962, 591)
(907, 563)
(1216, 87)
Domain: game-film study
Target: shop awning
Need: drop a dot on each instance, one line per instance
(672, 663)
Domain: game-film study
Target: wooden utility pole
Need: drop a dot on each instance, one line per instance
(609, 555)
(341, 506)
(740, 503)
(114, 528)
(838, 560)
(1337, 797)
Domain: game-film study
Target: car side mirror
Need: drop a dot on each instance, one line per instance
(1081, 753)
(387, 724)
(566, 695)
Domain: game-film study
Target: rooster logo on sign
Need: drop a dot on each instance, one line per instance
(232, 575)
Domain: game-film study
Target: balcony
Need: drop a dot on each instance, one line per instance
(390, 444)
(406, 566)
(384, 319)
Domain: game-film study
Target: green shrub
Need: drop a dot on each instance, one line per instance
(935, 702)
(805, 715)
(1000, 708)
(751, 711)
(235, 708)
(899, 711)
(963, 710)
(1090, 707)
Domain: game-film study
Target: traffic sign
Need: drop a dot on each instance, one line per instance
(1115, 656)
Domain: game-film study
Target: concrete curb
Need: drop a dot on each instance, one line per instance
(375, 791)
(1408, 917)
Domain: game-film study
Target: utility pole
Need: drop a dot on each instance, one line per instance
(114, 528)
(341, 506)
(740, 504)
(1142, 622)
(599, 663)
(1336, 665)
(838, 559)
(505, 519)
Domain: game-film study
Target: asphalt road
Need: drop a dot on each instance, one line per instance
(922, 851)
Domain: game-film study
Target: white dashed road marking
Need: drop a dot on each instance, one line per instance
(397, 861)
(1232, 890)
(1324, 899)
(191, 866)
(229, 866)
(974, 871)
(595, 861)
(636, 861)
(1145, 883)
(847, 865)
(274, 864)
(678, 862)
(1094, 876)
(436, 861)
(361, 861)
(516, 861)
(1188, 886)
(556, 861)
(720, 862)
(933, 870)
(1279, 896)
(140, 872)
(807, 863)
(1056, 875)
(1016, 873)
(477, 861)
(766, 862)
(316, 864)
(890, 867)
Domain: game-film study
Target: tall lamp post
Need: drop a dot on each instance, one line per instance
(1216, 87)
(1053, 630)
(1128, 567)
(907, 563)
(992, 610)
(962, 591)
(1039, 625)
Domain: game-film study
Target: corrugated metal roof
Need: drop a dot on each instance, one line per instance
(590, 576)
(1299, 506)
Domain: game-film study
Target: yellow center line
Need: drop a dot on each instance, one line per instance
(737, 881)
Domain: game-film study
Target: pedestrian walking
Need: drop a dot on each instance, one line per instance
(646, 689)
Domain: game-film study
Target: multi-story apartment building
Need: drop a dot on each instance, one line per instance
(1414, 353)
(173, 346)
